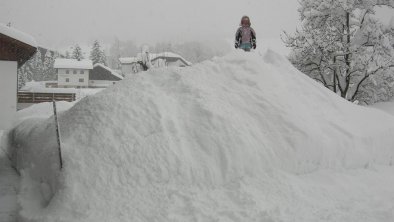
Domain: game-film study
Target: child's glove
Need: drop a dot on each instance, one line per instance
(236, 45)
(254, 45)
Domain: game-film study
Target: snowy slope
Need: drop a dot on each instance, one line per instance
(245, 137)
(9, 184)
(387, 107)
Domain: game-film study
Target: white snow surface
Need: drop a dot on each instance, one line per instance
(39, 87)
(18, 35)
(41, 110)
(245, 137)
(387, 107)
(73, 64)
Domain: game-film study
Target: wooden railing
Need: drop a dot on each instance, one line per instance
(31, 97)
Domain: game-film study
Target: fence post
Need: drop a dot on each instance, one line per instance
(58, 134)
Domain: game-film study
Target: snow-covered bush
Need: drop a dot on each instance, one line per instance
(344, 47)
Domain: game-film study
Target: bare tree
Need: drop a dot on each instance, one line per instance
(342, 45)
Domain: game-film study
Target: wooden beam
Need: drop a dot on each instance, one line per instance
(14, 50)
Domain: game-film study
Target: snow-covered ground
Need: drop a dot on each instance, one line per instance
(387, 107)
(9, 186)
(41, 110)
(245, 137)
(39, 87)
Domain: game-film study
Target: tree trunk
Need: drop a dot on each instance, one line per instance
(334, 82)
(347, 56)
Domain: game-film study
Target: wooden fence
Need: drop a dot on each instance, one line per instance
(31, 97)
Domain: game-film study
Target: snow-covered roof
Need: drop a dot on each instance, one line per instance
(117, 75)
(153, 56)
(73, 64)
(17, 35)
(170, 55)
(128, 60)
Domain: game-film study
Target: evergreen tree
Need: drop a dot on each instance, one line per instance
(37, 67)
(22, 77)
(26, 72)
(48, 69)
(97, 55)
(67, 55)
(343, 46)
(77, 53)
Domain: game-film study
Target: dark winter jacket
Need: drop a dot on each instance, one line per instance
(245, 34)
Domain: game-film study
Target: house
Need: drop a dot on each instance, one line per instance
(102, 76)
(16, 48)
(132, 65)
(72, 73)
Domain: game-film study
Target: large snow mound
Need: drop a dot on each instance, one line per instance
(224, 140)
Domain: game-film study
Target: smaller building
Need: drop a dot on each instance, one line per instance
(102, 76)
(136, 64)
(72, 73)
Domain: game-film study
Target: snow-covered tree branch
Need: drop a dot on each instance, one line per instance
(343, 46)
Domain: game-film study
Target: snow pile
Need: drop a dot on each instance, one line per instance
(387, 107)
(18, 35)
(42, 110)
(245, 137)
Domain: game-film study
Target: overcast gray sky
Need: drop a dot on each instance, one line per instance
(58, 23)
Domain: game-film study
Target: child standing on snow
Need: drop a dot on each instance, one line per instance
(245, 38)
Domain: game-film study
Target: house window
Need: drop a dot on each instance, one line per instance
(67, 71)
(82, 72)
(67, 80)
(81, 80)
(75, 71)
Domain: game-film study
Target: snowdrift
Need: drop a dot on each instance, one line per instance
(225, 140)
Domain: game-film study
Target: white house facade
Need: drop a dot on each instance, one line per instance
(8, 86)
(72, 73)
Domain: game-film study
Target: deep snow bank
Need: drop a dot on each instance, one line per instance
(213, 142)
(387, 107)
